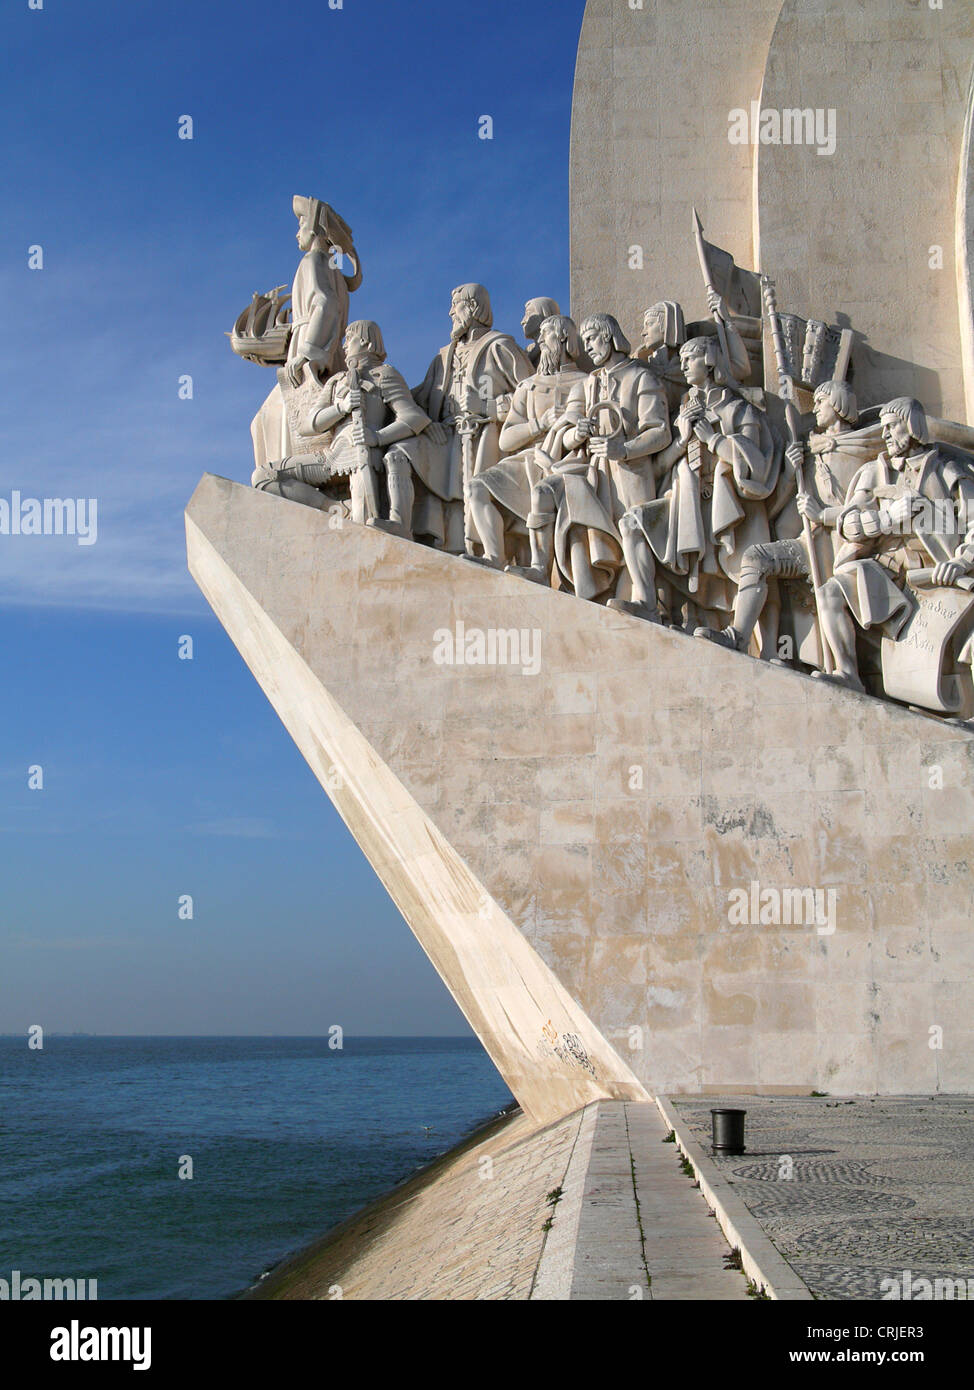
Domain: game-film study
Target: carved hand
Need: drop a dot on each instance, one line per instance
(474, 403)
(687, 418)
(862, 525)
(601, 447)
(717, 305)
(795, 455)
(948, 572)
(364, 437)
(901, 511)
(295, 370)
(807, 506)
(437, 432)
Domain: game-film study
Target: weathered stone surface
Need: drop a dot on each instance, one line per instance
(854, 232)
(470, 1227)
(334, 636)
(568, 846)
(964, 232)
(649, 143)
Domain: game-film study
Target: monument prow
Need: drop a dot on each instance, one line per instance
(371, 765)
(640, 863)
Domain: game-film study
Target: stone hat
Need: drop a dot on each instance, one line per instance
(326, 221)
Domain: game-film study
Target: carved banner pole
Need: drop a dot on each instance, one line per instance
(786, 388)
(709, 283)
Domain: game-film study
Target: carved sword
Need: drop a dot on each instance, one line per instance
(369, 481)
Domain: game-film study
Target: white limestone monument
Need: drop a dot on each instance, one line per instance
(638, 657)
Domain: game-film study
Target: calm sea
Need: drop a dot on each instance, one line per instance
(287, 1138)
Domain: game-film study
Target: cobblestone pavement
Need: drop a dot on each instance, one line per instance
(877, 1187)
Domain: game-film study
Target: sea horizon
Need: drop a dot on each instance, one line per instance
(187, 1166)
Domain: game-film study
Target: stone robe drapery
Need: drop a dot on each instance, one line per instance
(831, 463)
(871, 573)
(510, 481)
(587, 554)
(319, 306)
(591, 496)
(488, 366)
(715, 506)
(641, 397)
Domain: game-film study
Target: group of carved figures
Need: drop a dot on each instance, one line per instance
(657, 482)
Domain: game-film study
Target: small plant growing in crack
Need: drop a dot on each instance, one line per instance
(670, 1138)
(553, 1198)
(732, 1260)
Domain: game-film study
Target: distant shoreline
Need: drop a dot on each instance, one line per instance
(253, 1037)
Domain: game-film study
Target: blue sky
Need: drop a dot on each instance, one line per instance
(164, 777)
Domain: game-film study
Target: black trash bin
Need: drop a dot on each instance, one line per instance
(728, 1131)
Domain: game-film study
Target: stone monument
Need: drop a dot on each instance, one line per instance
(650, 695)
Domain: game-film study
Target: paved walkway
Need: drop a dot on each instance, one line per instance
(631, 1223)
(596, 1206)
(849, 1191)
(855, 1190)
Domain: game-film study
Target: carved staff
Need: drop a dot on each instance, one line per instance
(786, 389)
(709, 283)
(369, 481)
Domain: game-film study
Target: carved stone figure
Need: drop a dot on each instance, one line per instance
(616, 421)
(837, 461)
(562, 462)
(500, 497)
(908, 518)
(725, 464)
(319, 295)
(535, 313)
(665, 332)
(319, 309)
(467, 393)
(360, 417)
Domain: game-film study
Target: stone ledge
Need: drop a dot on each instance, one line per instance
(767, 1269)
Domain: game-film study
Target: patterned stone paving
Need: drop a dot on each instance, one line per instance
(877, 1186)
